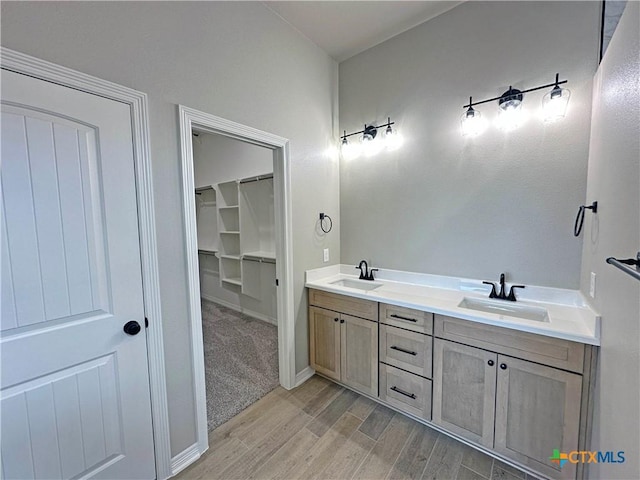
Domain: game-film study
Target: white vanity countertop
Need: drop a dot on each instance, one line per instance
(570, 317)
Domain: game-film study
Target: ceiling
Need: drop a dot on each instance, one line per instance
(346, 28)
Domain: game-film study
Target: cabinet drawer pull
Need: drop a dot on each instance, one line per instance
(400, 349)
(393, 315)
(401, 392)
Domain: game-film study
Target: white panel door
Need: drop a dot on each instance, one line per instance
(74, 399)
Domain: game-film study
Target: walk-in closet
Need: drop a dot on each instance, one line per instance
(235, 216)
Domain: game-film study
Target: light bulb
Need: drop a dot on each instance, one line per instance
(392, 139)
(370, 146)
(472, 123)
(350, 150)
(510, 116)
(554, 104)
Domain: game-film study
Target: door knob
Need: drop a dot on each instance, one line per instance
(131, 328)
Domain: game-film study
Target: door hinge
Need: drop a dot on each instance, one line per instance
(146, 322)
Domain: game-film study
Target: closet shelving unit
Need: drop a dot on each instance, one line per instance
(206, 220)
(229, 232)
(257, 217)
(257, 241)
(236, 224)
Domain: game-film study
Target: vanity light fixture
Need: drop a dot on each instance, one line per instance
(554, 103)
(472, 122)
(392, 139)
(350, 150)
(511, 115)
(370, 146)
(370, 143)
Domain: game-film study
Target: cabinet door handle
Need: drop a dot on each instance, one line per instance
(490, 362)
(393, 315)
(503, 366)
(336, 319)
(341, 320)
(402, 392)
(400, 349)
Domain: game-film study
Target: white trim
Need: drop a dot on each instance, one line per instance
(191, 119)
(304, 375)
(233, 306)
(185, 458)
(25, 64)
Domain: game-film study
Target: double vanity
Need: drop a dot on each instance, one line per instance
(513, 378)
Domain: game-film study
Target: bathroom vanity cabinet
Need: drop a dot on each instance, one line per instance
(344, 340)
(519, 394)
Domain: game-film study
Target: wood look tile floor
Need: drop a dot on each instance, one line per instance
(323, 431)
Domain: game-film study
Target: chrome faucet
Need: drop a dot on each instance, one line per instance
(502, 295)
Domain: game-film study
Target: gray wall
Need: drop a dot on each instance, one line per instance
(614, 180)
(446, 204)
(235, 60)
(217, 159)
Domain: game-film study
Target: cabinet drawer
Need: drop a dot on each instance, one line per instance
(550, 351)
(408, 318)
(406, 391)
(410, 351)
(345, 304)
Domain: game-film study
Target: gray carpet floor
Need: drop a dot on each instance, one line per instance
(240, 358)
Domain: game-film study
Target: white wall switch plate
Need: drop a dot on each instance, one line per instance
(326, 255)
(592, 285)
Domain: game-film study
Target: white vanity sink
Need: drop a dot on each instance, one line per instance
(359, 284)
(506, 308)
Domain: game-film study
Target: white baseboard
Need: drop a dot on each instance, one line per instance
(232, 306)
(185, 458)
(304, 375)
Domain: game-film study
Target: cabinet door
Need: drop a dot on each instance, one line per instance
(537, 411)
(324, 341)
(360, 354)
(464, 382)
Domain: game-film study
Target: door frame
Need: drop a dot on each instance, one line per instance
(18, 62)
(191, 119)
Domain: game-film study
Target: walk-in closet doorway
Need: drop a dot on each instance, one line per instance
(237, 260)
(237, 218)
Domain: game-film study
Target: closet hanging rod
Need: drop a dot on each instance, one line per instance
(259, 259)
(257, 178)
(627, 265)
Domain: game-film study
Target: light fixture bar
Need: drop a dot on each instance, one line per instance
(368, 127)
(554, 84)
